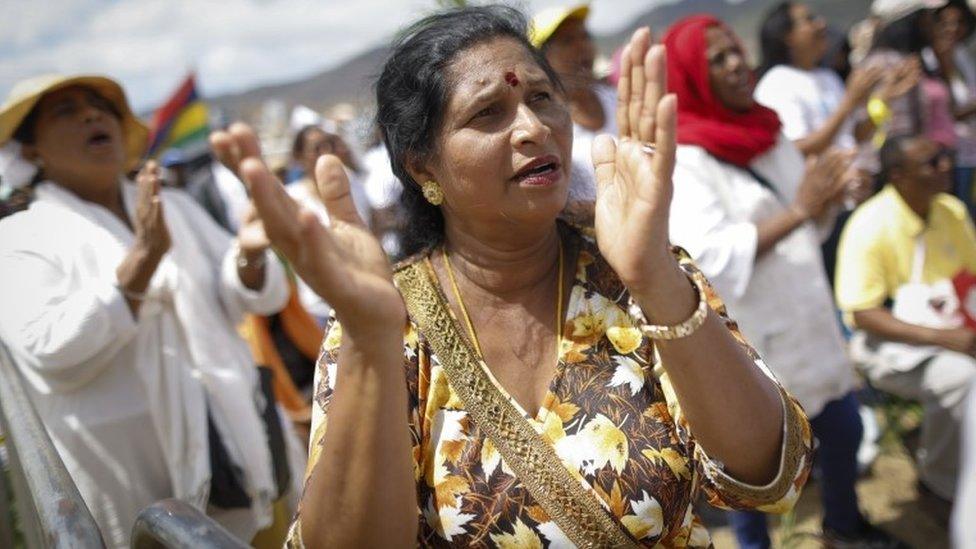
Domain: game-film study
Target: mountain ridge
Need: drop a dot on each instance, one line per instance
(352, 80)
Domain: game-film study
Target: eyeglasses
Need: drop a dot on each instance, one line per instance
(938, 157)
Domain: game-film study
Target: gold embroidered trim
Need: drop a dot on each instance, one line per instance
(793, 451)
(570, 505)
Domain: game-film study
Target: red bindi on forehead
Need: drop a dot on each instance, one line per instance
(511, 79)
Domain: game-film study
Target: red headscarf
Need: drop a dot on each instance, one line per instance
(702, 120)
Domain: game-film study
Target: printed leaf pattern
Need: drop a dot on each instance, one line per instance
(610, 414)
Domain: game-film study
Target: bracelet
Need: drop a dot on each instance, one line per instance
(686, 328)
(243, 263)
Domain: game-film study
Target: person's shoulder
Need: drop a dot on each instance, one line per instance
(827, 75)
(40, 228)
(870, 219)
(692, 153)
(779, 73)
(951, 205)
(694, 162)
(776, 80)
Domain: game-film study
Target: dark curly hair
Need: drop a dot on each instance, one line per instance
(411, 94)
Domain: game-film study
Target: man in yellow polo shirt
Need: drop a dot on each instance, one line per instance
(875, 259)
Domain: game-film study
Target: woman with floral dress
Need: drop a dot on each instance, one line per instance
(518, 381)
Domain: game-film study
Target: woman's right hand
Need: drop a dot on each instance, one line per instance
(824, 183)
(342, 262)
(152, 235)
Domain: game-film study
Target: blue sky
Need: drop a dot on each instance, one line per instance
(149, 45)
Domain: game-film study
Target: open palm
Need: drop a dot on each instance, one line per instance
(342, 262)
(633, 174)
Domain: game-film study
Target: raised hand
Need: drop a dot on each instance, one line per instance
(342, 262)
(150, 225)
(634, 186)
(862, 82)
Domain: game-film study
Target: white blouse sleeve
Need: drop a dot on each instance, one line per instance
(54, 326)
(723, 248)
(219, 247)
(775, 90)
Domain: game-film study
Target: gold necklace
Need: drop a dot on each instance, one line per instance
(467, 317)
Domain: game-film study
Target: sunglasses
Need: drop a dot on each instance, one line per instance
(938, 157)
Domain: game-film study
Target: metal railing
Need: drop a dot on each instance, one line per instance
(50, 508)
(175, 524)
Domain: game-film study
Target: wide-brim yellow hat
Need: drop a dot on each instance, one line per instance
(27, 93)
(545, 23)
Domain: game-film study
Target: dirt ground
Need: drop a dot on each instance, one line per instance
(888, 498)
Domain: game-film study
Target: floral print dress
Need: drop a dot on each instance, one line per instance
(612, 417)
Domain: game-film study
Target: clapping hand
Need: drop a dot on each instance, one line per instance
(634, 186)
(150, 225)
(824, 182)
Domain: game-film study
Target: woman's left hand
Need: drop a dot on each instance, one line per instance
(634, 185)
(251, 236)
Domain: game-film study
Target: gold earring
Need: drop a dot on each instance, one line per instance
(432, 192)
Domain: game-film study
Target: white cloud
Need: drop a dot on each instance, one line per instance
(149, 45)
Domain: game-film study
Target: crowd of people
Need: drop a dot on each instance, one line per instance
(545, 308)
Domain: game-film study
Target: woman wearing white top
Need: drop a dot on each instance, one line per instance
(747, 207)
(120, 304)
(812, 102)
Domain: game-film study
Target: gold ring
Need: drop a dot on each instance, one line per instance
(649, 148)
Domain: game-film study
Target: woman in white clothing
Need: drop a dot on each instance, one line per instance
(813, 103)
(747, 207)
(120, 304)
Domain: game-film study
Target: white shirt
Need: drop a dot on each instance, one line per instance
(382, 188)
(125, 399)
(582, 184)
(782, 301)
(804, 100)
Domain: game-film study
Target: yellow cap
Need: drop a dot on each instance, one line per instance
(27, 93)
(545, 23)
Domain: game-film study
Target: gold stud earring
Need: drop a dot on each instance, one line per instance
(432, 192)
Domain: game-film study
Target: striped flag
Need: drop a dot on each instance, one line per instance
(182, 122)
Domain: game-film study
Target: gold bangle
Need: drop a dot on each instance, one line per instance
(678, 331)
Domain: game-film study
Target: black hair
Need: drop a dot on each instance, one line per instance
(892, 156)
(25, 132)
(298, 144)
(411, 94)
(906, 35)
(776, 26)
(838, 54)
